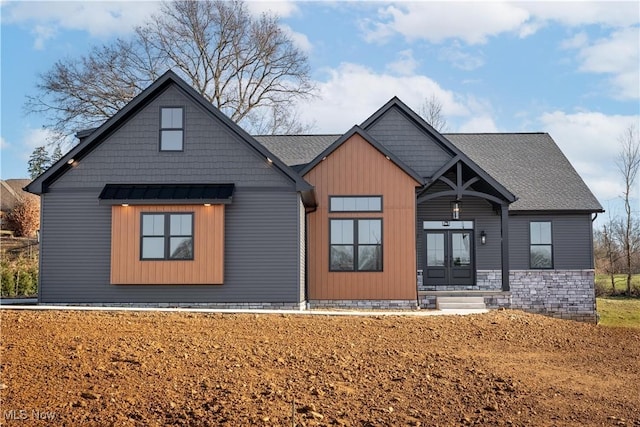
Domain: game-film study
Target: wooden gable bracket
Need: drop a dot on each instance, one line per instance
(459, 188)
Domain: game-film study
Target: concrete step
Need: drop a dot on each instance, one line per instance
(457, 303)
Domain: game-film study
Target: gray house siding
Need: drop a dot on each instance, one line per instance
(571, 238)
(411, 145)
(211, 153)
(473, 209)
(261, 253)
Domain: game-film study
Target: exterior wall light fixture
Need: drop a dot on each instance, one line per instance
(483, 237)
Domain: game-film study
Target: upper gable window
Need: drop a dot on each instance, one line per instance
(171, 129)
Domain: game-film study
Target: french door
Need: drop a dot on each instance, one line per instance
(449, 256)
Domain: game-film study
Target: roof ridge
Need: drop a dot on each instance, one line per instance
(497, 133)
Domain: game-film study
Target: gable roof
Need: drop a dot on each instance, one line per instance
(529, 165)
(12, 193)
(428, 130)
(357, 130)
(94, 138)
(532, 166)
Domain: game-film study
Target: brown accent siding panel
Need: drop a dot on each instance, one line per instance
(207, 267)
(357, 168)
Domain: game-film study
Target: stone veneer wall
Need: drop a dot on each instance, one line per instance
(493, 300)
(365, 304)
(486, 280)
(567, 294)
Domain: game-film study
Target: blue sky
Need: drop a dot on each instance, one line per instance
(567, 68)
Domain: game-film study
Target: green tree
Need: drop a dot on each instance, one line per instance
(57, 154)
(38, 162)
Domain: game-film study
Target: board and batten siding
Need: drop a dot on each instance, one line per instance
(357, 168)
(572, 238)
(206, 267)
(260, 252)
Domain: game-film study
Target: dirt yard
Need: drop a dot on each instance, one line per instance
(193, 369)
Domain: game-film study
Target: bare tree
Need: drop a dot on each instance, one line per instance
(431, 111)
(247, 67)
(628, 163)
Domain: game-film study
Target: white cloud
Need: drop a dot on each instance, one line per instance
(578, 41)
(590, 142)
(301, 41)
(33, 138)
(3, 143)
(99, 19)
(475, 22)
(472, 22)
(578, 13)
(617, 55)
(352, 92)
(459, 58)
(479, 124)
(405, 65)
(282, 8)
(42, 33)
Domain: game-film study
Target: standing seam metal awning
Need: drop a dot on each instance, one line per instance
(140, 194)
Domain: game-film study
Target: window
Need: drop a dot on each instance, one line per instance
(356, 245)
(541, 252)
(171, 129)
(167, 236)
(355, 204)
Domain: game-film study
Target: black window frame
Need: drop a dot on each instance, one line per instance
(167, 235)
(356, 244)
(550, 244)
(163, 129)
(331, 210)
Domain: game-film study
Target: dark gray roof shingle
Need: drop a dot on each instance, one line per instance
(295, 150)
(530, 165)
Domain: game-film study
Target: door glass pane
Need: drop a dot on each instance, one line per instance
(341, 231)
(435, 250)
(541, 256)
(153, 225)
(461, 249)
(181, 225)
(370, 231)
(370, 258)
(341, 257)
(181, 248)
(153, 247)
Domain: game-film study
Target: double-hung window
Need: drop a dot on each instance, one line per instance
(167, 236)
(356, 245)
(171, 129)
(541, 244)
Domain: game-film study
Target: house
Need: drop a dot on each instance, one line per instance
(169, 203)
